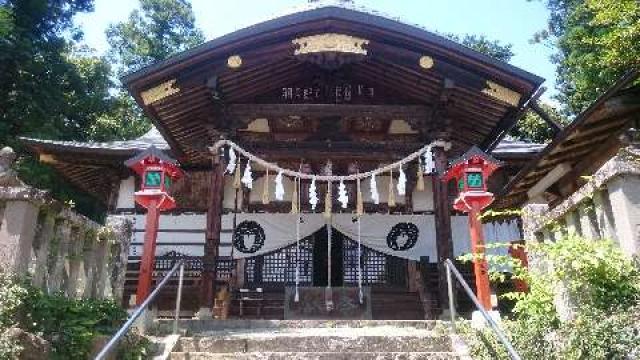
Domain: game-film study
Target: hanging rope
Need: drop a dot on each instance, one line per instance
(298, 219)
(297, 174)
(360, 294)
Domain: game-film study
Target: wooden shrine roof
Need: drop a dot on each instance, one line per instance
(407, 86)
(581, 148)
(195, 96)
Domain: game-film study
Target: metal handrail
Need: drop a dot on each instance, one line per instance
(143, 307)
(451, 268)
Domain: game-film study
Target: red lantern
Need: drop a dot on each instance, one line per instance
(471, 172)
(157, 171)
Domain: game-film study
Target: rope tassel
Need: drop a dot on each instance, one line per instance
(294, 197)
(265, 189)
(327, 202)
(392, 194)
(420, 178)
(359, 200)
(237, 179)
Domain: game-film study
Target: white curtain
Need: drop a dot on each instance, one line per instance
(376, 233)
(279, 231)
(389, 234)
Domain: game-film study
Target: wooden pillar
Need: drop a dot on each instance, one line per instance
(442, 212)
(480, 265)
(147, 262)
(214, 225)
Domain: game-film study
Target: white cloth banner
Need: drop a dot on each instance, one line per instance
(259, 234)
(405, 236)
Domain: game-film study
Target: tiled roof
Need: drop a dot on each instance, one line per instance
(152, 137)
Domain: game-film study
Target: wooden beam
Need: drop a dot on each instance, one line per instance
(212, 242)
(508, 122)
(442, 210)
(326, 110)
(557, 127)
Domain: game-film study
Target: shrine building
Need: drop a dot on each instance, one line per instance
(334, 91)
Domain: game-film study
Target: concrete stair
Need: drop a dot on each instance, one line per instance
(313, 339)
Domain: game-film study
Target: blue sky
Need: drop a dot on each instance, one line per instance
(510, 21)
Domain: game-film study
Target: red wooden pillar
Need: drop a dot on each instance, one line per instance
(442, 213)
(145, 276)
(480, 266)
(214, 225)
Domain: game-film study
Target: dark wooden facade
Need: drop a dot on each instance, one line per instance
(327, 83)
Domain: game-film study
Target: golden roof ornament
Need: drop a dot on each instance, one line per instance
(159, 92)
(501, 93)
(234, 61)
(330, 42)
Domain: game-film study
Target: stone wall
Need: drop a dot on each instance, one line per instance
(606, 207)
(59, 249)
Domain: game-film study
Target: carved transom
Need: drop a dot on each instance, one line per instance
(289, 124)
(502, 93)
(159, 92)
(367, 124)
(330, 43)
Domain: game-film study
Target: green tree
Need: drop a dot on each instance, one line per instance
(481, 43)
(40, 84)
(597, 41)
(160, 28)
(532, 128)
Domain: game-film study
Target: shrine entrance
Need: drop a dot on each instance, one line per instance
(321, 258)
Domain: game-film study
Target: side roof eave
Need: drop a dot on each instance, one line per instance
(625, 80)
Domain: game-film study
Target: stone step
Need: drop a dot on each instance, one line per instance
(194, 326)
(327, 339)
(316, 356)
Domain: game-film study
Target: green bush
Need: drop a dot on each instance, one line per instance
(11, 295)
(70, 325)
(603, 286)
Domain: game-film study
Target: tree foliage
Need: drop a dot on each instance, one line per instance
(597, 41)
(52, 87)
(532, 128)
(160, 28)
(481, 43)
(594, 279)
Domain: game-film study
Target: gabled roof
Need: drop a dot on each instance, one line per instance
(151, 138)
(340, 10)
(488, 95)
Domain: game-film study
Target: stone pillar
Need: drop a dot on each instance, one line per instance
(573, 223)
(604, 215)
(101, 270)
(42, 243)
(74, 262)
(59, 252)
(588, 223)
(547, 235)
(122, 230)
(17, 231)
(89, 266)
(624, 194)
(532, 215)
